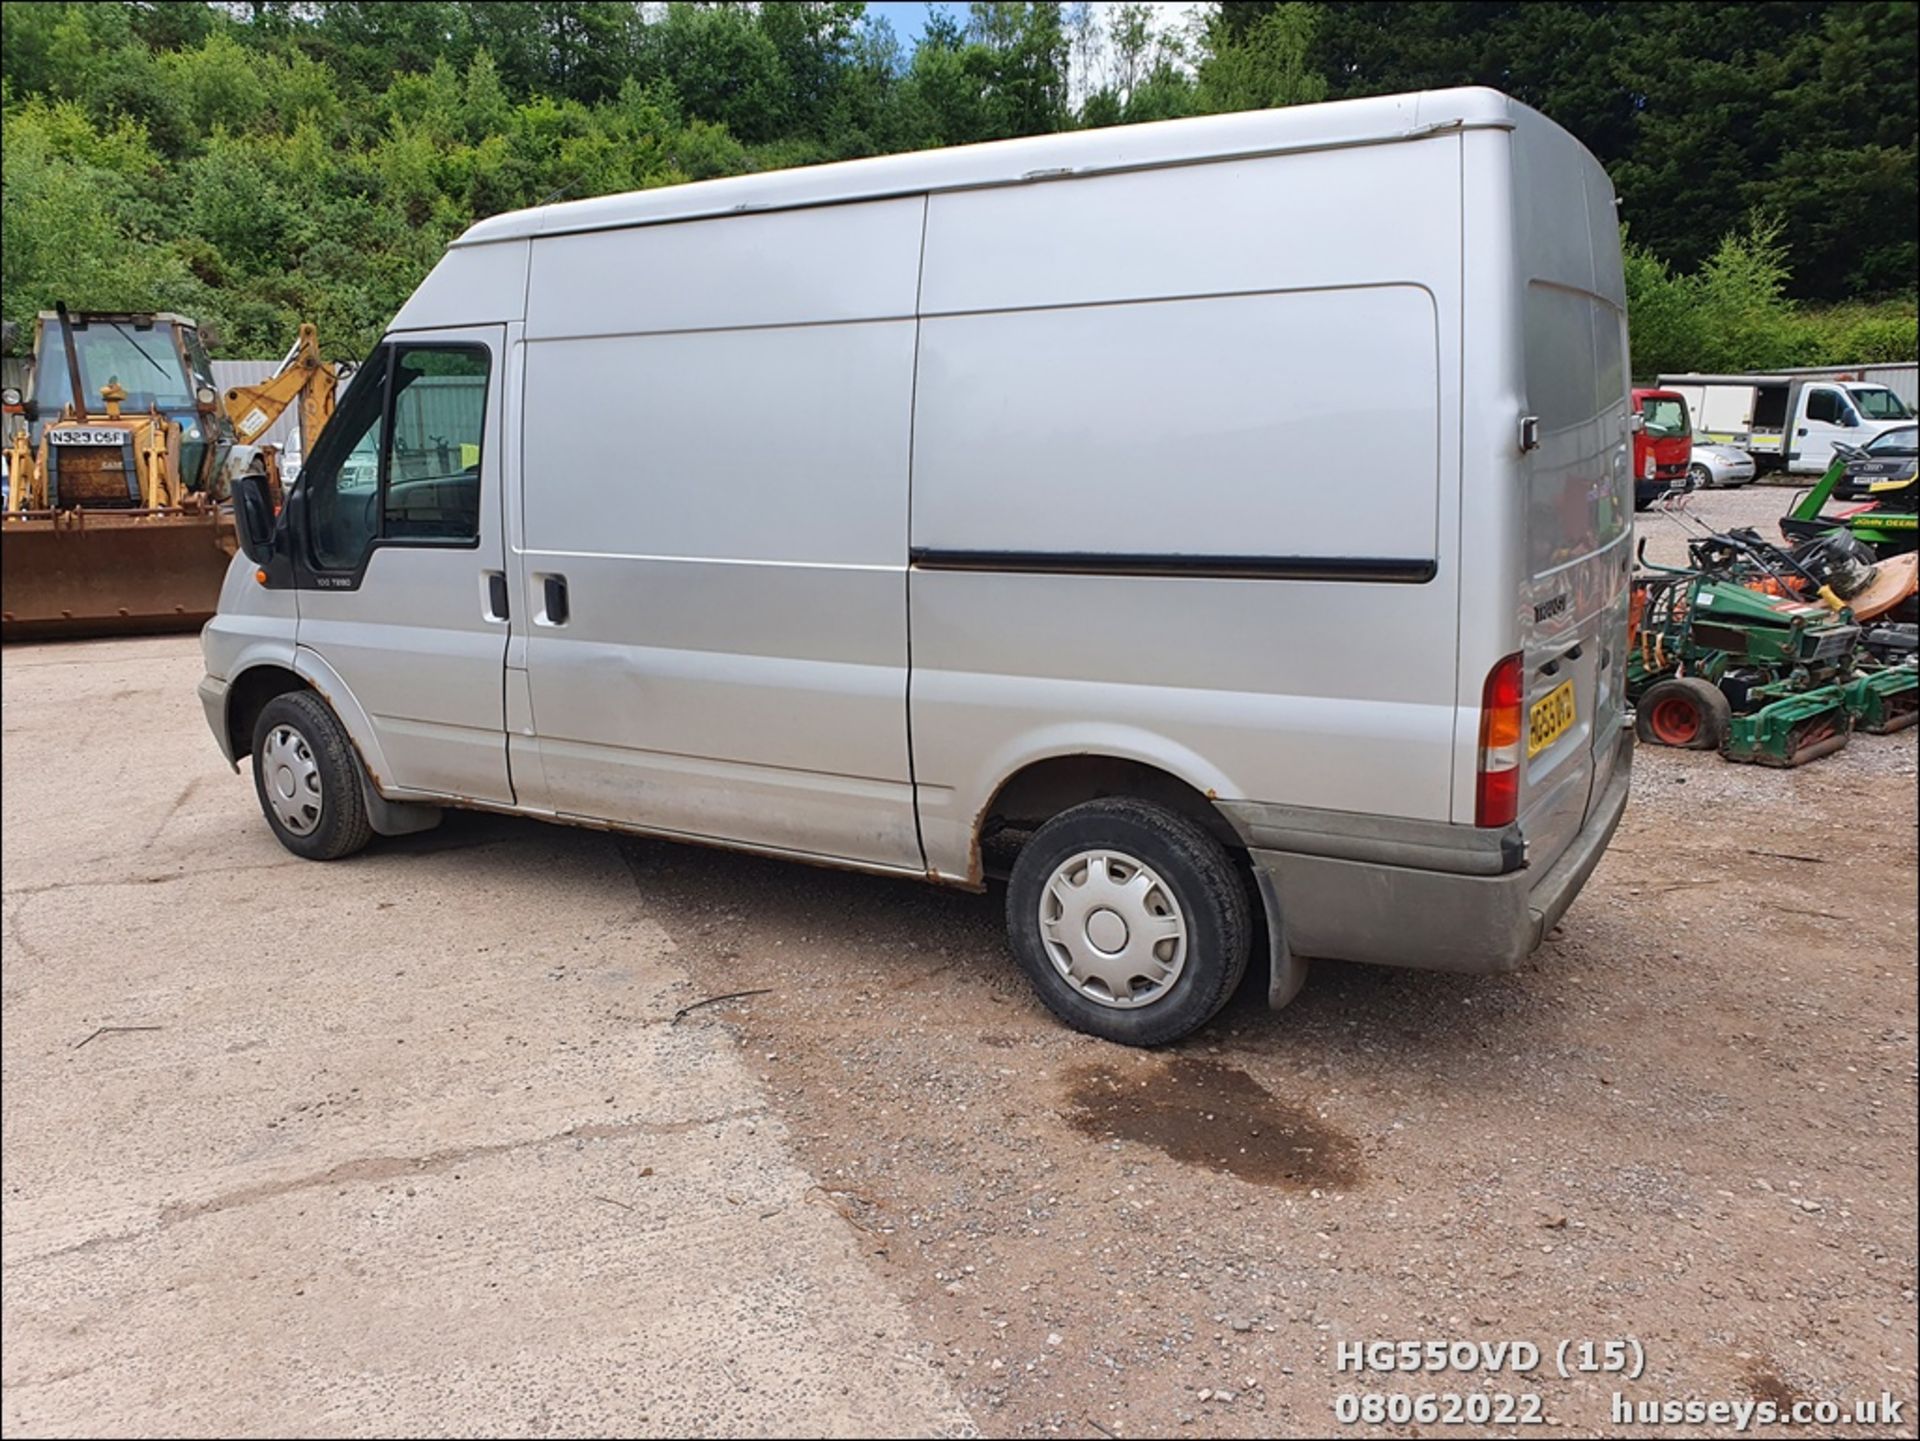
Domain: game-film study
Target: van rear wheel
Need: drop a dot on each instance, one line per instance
(1130, 920)
(307, 776)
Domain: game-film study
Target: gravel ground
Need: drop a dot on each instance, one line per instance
(1759, 505)
(1689, 1120)
(405, 1145)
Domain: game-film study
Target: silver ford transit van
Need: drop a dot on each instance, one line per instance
(1224, 521)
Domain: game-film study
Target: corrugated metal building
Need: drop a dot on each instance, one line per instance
(1901, 377)
(439, 408)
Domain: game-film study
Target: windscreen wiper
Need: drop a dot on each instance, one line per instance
(136, 345)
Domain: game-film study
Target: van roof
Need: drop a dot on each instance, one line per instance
(1371, 121)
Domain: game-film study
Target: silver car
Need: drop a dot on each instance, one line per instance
(1719, 465)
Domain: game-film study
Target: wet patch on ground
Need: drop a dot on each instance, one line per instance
(1764, 1384)
(1205, 1113)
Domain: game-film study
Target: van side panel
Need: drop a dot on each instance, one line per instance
(795, 267)
(1255, 360)
(716, 424)
(1185, 389)
(472, 285)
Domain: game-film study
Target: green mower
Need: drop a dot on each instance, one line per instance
(1887, 520)
(1728, 656)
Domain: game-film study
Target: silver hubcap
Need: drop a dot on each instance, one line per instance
(293, 779)
(1113, 929)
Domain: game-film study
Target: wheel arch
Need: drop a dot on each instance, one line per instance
(1044, 786)
(248, 694)
(321, 678)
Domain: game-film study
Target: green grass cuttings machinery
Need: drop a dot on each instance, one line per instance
(1888, 520)
(1752, 651)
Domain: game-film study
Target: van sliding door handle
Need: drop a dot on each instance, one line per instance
(556, 598)
(497, 595)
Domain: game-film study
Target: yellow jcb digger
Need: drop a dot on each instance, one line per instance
(118, 462)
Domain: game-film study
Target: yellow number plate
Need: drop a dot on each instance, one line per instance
(1550, 718)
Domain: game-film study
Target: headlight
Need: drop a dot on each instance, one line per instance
(205, 396)
(1646, 471)
(9, 396)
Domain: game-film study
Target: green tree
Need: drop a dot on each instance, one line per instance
(1018, 59)
(1262, 63)
(261, 162)
(724, 66)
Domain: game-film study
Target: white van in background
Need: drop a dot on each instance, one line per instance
(871, 513)
(1787, 422)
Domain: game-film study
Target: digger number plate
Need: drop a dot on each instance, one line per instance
(1550, 718)
(85, 437)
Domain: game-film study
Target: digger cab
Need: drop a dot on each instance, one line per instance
(157, 365)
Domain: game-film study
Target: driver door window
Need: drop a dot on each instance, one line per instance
(433, 469)
(411, 423)
(343, 500)
(1824, 405)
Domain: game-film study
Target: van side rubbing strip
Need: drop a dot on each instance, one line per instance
(1378, 569)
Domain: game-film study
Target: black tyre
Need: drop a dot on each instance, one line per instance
(1130, 920)
(307, 776)
(1699, 478)
(1684, 712)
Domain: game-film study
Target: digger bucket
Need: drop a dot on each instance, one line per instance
(1792, 730)
(93, 573)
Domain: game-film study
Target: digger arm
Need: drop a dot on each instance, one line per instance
(302, 376)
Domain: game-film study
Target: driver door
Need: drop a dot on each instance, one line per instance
(404, 593)
(1826, 415)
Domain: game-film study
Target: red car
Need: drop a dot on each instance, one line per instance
(1662, 445)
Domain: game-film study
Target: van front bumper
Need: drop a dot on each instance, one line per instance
(213, 699)
(1437, 920)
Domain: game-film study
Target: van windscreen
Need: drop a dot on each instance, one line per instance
(1876, 402)
(1666, 416)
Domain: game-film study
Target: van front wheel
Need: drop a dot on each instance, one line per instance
(307, 776)
(1130, 920)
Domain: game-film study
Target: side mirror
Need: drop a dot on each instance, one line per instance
(1849, 420)
(253, 517)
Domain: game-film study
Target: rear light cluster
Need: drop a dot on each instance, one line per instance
(1496, 795)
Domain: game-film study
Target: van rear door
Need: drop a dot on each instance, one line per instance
(1572, 605)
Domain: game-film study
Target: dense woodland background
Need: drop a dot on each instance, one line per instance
(268, 161)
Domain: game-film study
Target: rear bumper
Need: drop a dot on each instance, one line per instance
(213, 699)
(1354, 910)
